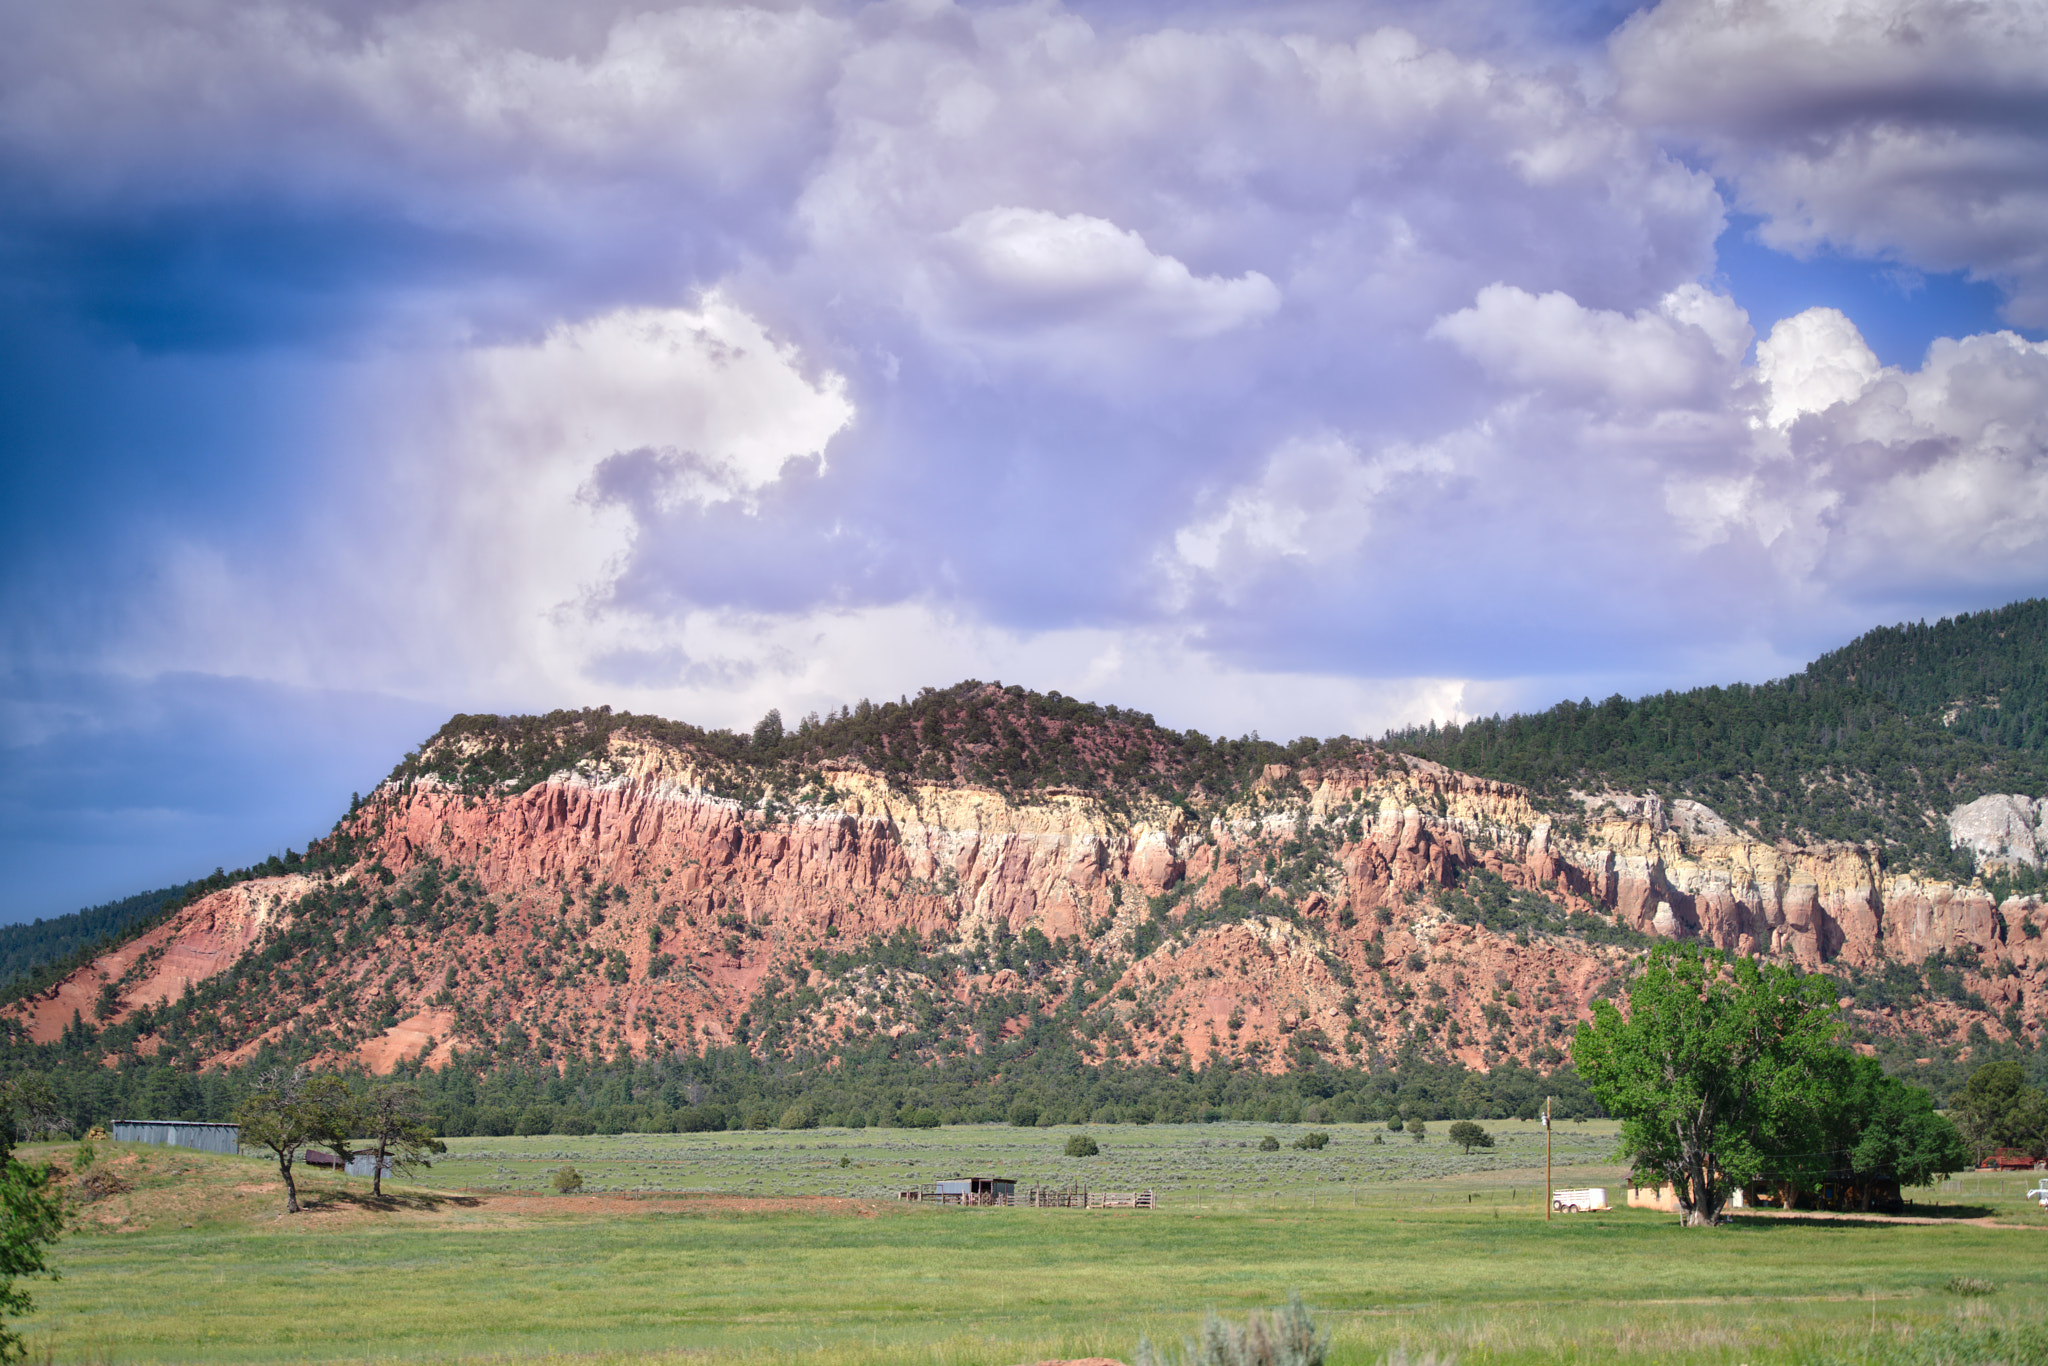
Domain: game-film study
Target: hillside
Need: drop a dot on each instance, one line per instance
(44, 950)
(1878, 741)
(981, 897)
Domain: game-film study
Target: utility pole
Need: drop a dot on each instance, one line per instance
(1547, 1200)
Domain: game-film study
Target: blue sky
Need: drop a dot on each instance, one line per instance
(1306, 368)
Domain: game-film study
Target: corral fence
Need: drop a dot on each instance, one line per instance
(1120, 1200)
(1036, 1197)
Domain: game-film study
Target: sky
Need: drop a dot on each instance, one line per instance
(1298, 368)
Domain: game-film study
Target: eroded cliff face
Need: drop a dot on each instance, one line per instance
(631, 906)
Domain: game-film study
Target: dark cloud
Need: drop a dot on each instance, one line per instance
(112, 785)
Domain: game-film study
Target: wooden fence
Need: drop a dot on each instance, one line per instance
(1038, 1197)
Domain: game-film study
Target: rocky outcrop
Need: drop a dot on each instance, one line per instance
(632, 905)
(2001, 831)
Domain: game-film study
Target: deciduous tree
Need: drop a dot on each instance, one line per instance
(278, 1114)
(1997, 1109)
(1712, 1069)
(400, 1129)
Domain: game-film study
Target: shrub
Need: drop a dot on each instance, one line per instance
(1312, 1142)
(798, 1116)
(566, 1179)
(1969, 1285)
(1468, 1135)
(1024, 1114)
(919, 1119)
(1394, 1125)
(1080, 1145)
(1285, 1337)
(1418, 1130)
(1269, 1144)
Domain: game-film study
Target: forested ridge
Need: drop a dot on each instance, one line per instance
(1023, 743)
(77, 938)
(1874, 742)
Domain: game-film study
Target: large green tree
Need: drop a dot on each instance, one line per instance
(31, 1210)
(1997, 1109)
(1716, 1067)
(1870, 1127)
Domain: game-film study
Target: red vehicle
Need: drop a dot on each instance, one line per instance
(2010, 1160)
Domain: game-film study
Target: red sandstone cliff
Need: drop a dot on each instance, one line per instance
(628, 905)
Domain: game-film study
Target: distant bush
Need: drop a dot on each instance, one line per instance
(1285, 1337)
(1394, 1125)
(1080, 1145)
(920, 1119)
(1024, 1114)
(1969, 1286)
(576, 1125)
(566, 1179)
(1418, 1130)
(1468, 1135)
(798, 1116)
(1312, 1142)
(1269, 1144)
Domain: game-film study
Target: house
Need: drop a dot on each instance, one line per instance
(1665, 1198)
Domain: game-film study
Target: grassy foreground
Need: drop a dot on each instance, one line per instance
(193, 1264)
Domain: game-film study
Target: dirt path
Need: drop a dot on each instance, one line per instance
(1851, 1217)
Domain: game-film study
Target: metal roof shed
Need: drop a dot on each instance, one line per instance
(181, 1133)
(977, 1190)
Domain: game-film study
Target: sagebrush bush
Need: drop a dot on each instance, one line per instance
(1269, 1144)
(566, 1179)
(1285, 1337)
(1080, 1145)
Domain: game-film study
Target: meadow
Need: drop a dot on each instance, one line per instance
(783, 1247)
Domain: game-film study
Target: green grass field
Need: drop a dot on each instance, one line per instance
(1185, 1163)
(1398, 1248)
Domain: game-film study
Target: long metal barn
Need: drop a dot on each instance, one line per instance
(180, 1133)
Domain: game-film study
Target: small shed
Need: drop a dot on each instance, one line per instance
(979, 1190)
(181, 1133)
(967, 1190)
(2011, 1160)
(359, 1164)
